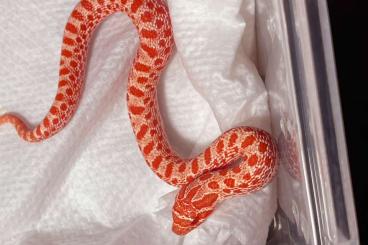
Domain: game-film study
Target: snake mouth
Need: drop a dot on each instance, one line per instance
(180, 230)
(185, 218)
(183, 225)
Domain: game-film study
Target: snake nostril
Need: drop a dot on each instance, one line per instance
(195, 221)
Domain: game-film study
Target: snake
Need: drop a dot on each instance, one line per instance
(240, 161)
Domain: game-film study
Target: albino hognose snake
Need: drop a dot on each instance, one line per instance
(205, 179)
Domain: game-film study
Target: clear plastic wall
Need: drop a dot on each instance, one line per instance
(297, 63)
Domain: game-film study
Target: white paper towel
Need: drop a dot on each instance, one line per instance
(89, 184)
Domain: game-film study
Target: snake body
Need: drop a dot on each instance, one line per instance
(241, 160)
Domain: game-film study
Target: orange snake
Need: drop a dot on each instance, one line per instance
(204, 180)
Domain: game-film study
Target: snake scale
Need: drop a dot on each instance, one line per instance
(240, 161)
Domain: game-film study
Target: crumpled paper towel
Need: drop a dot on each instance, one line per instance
(89, 184)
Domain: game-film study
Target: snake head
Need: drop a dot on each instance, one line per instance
(188, 215)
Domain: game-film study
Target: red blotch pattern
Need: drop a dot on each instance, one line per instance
(182, 168)
(136, 110)
(142, 80)
(147, 16)
(248, 141)
(136, 4)
(195, 166)
(207, 156)
(151, 34)
(152, 52)
(156, 163)
(213, 185)
(252, 160)
(142, 132)
(136, 91)
(207, 201)
(169, 170)
(87, 5)
(59, 97)
(68, 41)
(142, 67)
(236, 169)
(229, 182)
(233, 139)
(64, 71)
(192, 192)
(262, 147)
(220, 146)
(148, 148)
(71, 28)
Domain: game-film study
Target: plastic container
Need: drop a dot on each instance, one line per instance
(315, 195)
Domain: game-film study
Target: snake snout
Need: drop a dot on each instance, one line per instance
(185, 217)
